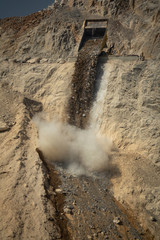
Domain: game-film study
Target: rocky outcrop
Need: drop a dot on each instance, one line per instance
(43, 34)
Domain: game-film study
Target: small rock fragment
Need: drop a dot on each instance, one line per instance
(102, 233)
(117, 220)
(74, 203)
(3, 127)
(58, 190)
(95, 235)
(89, 237)
(67, 210)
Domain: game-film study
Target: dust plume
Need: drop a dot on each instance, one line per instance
(78, 150)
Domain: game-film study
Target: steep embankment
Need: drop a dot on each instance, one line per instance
(26, 211)
(127, 110)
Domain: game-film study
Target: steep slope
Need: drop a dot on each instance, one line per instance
(129, 115)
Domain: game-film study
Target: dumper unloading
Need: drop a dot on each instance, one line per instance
(94, 29)
(83, 81)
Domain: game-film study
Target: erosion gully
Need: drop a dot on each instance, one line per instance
(85, 206)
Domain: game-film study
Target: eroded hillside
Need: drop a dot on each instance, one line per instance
(37, 74)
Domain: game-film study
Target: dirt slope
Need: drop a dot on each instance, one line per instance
(129, 115)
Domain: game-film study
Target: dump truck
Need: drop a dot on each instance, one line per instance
(94, 29)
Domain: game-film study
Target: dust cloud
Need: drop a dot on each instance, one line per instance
(77, 150)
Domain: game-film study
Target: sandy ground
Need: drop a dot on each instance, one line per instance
(23, 176)
(24, 208)
(127, 110)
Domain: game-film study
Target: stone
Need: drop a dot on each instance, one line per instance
(95, 235)
(89, 237)
(74, 203)
(117, 220)
(102, 233)
(58, 190)
(3, 126)
(33, 60)
(43, 60)
(67, 210)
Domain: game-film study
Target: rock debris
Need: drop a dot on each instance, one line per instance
(83, 84)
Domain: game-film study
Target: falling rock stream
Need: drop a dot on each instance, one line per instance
(83, 84)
